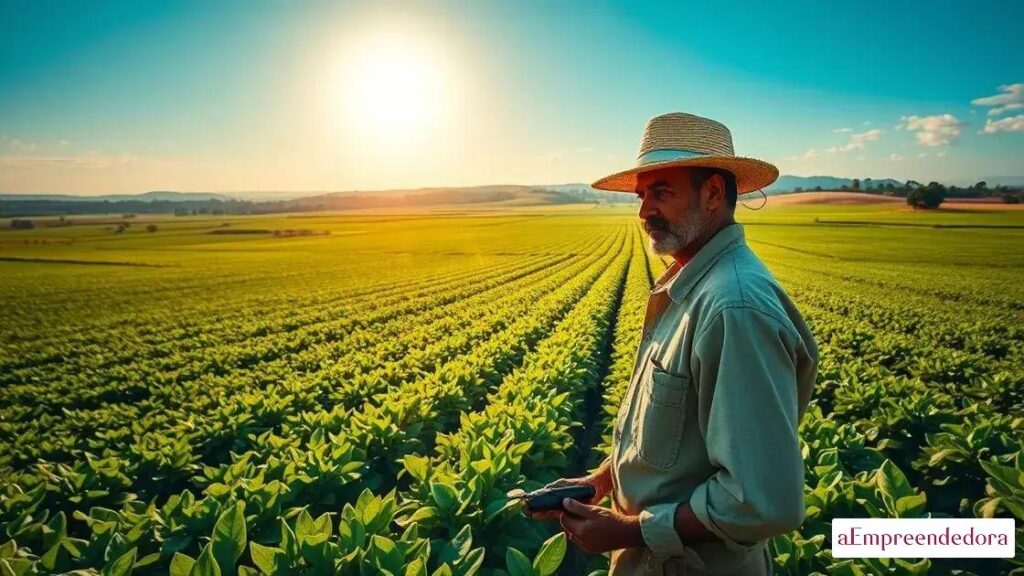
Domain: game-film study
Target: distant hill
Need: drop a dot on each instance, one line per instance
(265, 202)
(155, 196)
(503, 195)
(787, 183)
(992, 181)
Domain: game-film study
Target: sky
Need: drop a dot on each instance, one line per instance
(230, 96)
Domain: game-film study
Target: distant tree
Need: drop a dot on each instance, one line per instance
(914, 199)
(981, 186)
(798, 189)
(856, 184)
(817, 188)
(181, 212)
(151, 228)
(844, 187)
(120, 228)
(22, 224)
(930, 196)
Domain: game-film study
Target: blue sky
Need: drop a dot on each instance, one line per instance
(234, 96)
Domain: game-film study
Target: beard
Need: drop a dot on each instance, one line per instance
(674, 236)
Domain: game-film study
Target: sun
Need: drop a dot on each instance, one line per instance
(393, 88)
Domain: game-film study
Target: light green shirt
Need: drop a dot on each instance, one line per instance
(723, 374)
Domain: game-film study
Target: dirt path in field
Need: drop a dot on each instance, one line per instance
(846, 197)
(827, 197)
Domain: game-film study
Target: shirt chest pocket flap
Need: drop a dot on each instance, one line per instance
(661, 416)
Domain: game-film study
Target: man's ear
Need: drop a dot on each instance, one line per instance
(713, 190)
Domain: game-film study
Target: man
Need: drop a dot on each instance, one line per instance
(706, 464)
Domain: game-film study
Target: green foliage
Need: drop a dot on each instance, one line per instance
(360, 404)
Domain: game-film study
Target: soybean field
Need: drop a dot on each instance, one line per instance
(355, 393)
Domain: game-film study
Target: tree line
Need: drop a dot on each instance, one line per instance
(930, 195)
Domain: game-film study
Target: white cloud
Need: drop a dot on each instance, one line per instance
(19, 144)
(1008, 124)
(809, 154)
(860, 139)
(857, 141)
(1011, 97)
(938, 130)
(895, 157)
(999, 110)
(842, 130)
(84, 160)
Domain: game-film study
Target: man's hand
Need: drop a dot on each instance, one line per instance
(597, 530)
(600, 480)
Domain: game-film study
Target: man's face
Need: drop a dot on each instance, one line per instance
(670, 208)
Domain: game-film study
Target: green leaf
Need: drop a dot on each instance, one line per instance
(54, 530)
(941, 455)
(458, 547)
(909, 506)
(444, 495)
(121, 566)
(470, 563)
(304, 525)
(228, 541)
(893, 482)
(422, 514)
(517, 563)
(264, 557)
(416, 568)
(15, 566)
(206, 564)
(418, 466)
(147, 560)
(549, 558)
(387, 554)
(181, 564)
(8, 549)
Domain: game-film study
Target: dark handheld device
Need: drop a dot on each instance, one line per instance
(550, 499)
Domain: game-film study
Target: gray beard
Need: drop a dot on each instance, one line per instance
(680, 234)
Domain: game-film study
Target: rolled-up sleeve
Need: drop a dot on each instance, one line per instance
(744, 364)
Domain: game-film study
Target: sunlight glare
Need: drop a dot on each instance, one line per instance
(393, 89)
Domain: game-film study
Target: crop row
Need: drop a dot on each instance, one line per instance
(312, 458)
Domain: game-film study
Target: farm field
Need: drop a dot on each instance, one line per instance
(357, 398)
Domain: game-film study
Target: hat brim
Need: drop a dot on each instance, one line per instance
(751, 174)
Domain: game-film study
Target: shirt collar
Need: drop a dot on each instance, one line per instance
(679, 280)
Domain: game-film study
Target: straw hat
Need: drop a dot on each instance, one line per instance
(681, 139)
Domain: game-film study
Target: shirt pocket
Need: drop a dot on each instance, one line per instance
(661, 417)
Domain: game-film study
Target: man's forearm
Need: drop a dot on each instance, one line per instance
(603, 474)
(689, 528)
